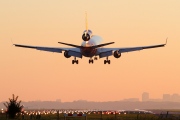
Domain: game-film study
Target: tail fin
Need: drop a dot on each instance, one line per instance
(86, 21)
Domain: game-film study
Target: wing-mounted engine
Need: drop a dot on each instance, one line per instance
(87, 34)
(66, 54)
(117, 54)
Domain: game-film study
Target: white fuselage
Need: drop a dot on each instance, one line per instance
(87, 49)
(94, 40)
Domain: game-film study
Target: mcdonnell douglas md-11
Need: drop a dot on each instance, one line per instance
(91, 47)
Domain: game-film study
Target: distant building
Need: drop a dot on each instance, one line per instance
(145, 96)
(175, 98)
(166, 97)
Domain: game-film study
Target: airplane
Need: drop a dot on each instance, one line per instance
(90, 47)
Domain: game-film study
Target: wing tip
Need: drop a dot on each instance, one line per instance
(166, 40)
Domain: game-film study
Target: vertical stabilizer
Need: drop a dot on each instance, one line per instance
(86, 22)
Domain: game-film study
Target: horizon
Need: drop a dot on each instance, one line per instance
(150, 99)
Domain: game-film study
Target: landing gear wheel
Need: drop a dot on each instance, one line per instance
(91, 61)
(75, 61)
(104, 61)
(109, 62)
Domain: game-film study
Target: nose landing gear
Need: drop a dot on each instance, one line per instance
(91, 61)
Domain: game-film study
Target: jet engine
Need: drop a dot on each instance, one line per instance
(117, 54)
(87, 35)
(66, 54)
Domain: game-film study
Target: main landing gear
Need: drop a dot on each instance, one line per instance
(107, 61)
(75, 61)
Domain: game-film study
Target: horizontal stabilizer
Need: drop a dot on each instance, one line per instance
(77, 46)
(72, 45)
(101, 45)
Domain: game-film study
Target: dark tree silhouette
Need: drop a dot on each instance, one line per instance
(13, 107)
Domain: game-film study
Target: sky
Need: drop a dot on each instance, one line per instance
(37, 75)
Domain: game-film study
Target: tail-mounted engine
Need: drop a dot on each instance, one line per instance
(87, 35)
(66, 54)
(117, 54)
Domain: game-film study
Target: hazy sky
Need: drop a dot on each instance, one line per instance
(37, 75)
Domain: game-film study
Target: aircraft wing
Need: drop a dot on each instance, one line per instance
(72, 51)
(104, 52)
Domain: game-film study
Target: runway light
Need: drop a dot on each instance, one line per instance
(2, 110)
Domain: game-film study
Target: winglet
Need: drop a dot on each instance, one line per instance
(12, 42)
(166, 40)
